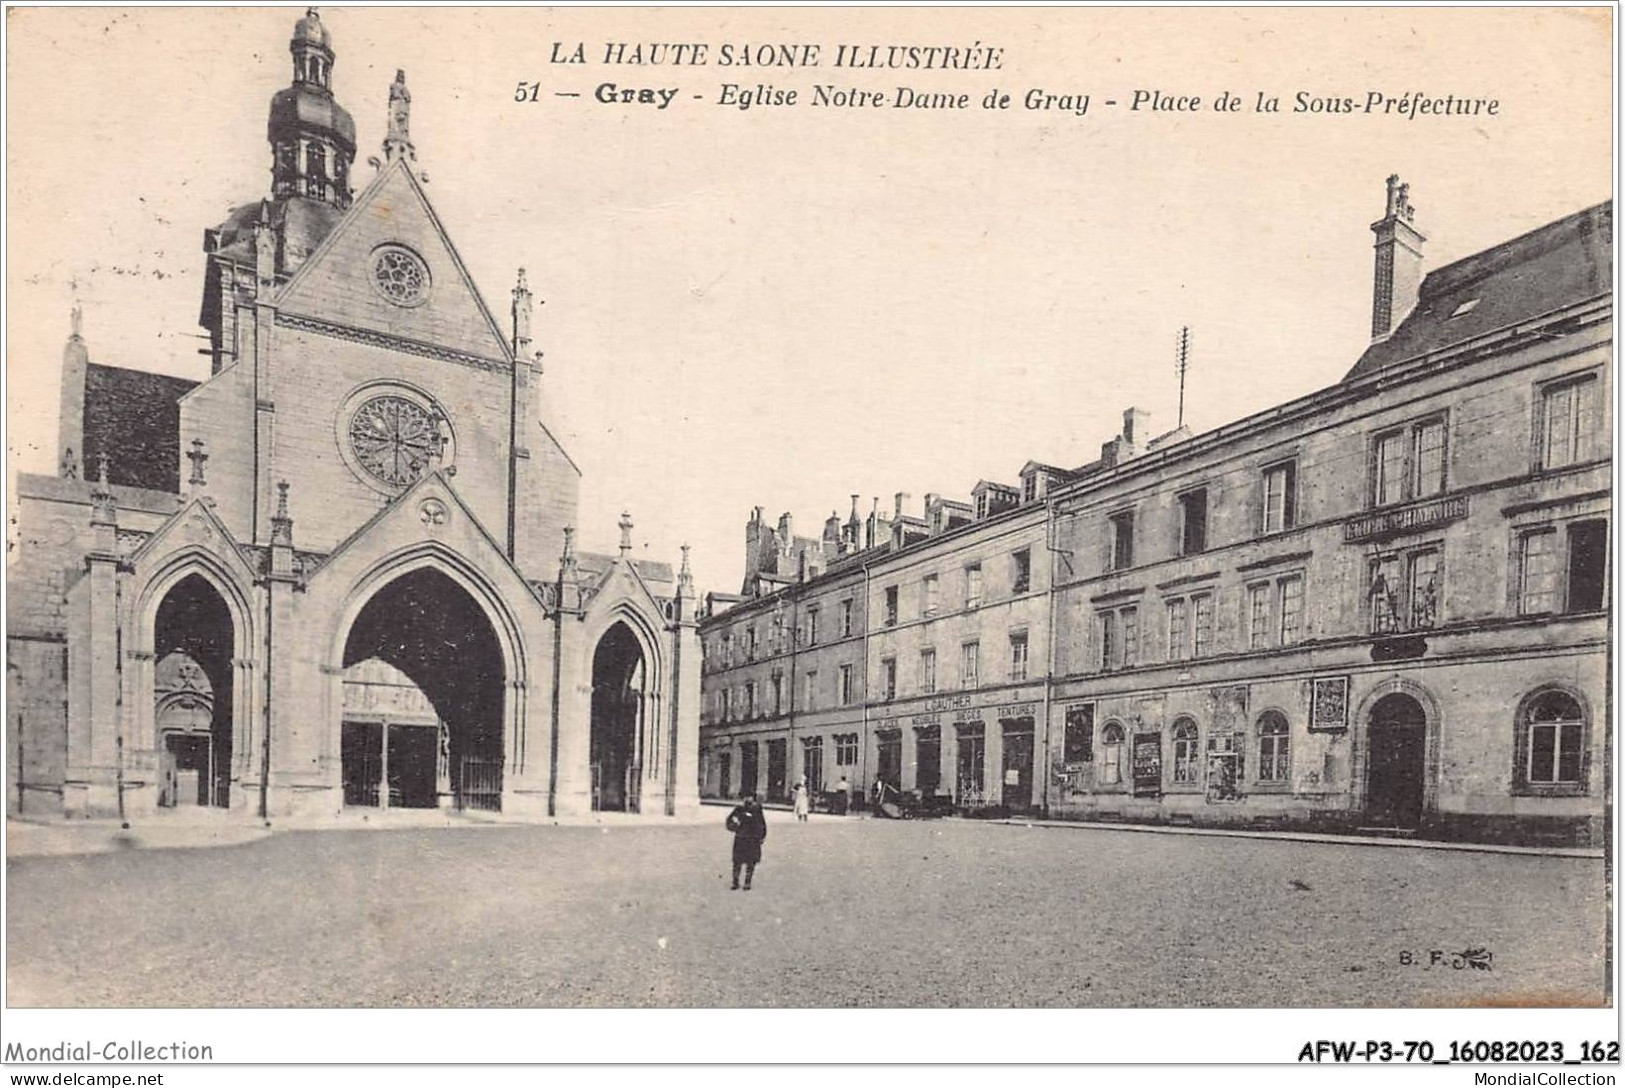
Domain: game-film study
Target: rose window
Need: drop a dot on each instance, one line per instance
(400, 276)
(395, 439)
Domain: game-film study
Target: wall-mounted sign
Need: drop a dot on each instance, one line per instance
(1329, 709)
(1410, 518)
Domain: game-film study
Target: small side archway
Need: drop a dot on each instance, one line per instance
(619, 719)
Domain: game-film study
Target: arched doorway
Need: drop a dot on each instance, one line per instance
(1396, 779)
(193, 642)
(620, 678)
(425, 627)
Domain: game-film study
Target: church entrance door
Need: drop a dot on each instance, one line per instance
(436, 699)
(192, 687)
(619, 687)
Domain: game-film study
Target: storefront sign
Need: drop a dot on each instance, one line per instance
(1147, 764)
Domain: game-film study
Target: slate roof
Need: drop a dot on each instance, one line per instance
(135, 418)
(1551, 267)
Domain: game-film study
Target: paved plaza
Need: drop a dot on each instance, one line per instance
(844, 912)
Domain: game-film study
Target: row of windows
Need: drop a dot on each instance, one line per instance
(1021, 574)
(1559, 570)
(1406, 463)
(970, 667)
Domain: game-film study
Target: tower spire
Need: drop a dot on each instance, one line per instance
(312, 136)
(398, 141)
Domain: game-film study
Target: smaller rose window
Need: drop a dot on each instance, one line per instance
(400, 275)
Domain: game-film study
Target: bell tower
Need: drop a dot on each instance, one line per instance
(312, 137)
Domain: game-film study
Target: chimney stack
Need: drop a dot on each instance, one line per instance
(1398, 261)
(1136, 427)
(902, 499)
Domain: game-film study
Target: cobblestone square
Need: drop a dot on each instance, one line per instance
(847, 912)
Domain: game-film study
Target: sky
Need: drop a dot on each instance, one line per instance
(787, 305)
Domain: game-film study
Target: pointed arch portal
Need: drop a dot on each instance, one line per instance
(193, 643)
(431, 630)
(620, 688)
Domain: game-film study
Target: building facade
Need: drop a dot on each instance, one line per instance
(366, 593)
(1382, 605)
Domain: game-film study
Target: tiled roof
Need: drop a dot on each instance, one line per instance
(1555, 266)
(135, 418)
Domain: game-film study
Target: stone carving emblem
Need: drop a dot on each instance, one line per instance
(400, 275)
(395, 439)
(433, 512)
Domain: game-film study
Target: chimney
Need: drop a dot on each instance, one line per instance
(903, 498)
(1398, 262)
(785, 525)
(1136, 428)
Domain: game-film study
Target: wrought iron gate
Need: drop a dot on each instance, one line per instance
(479, 785)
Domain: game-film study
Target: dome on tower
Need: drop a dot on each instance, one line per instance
(310, 29)
(308, 109)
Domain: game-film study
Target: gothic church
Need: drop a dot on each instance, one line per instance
(339, 572)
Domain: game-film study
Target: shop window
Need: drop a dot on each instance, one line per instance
(1111, 754)
(1274, 762)
(1551, 744)
(1193, 521)
(1122, 540)
(1078, 742)
(1187, 754)
(846, 749)
(812, 764)
(1568, 422)
(1280, 506)
(1021, 576)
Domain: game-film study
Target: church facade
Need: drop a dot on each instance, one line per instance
(339, 572)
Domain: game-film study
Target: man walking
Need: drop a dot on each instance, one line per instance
(749, 826)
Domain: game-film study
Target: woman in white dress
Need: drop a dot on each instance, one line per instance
(803, 803)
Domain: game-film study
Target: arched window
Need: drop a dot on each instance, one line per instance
(1186, 753)
(1551, 743)
(1111, 754)
(1274, 759)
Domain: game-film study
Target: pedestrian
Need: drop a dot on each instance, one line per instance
(749, 826)
(803, 803)
(843, 795)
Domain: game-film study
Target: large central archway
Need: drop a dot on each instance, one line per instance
(430, 629)
(620, 681)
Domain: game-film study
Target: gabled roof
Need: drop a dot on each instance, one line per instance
(1556, 265)
(135, 418)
